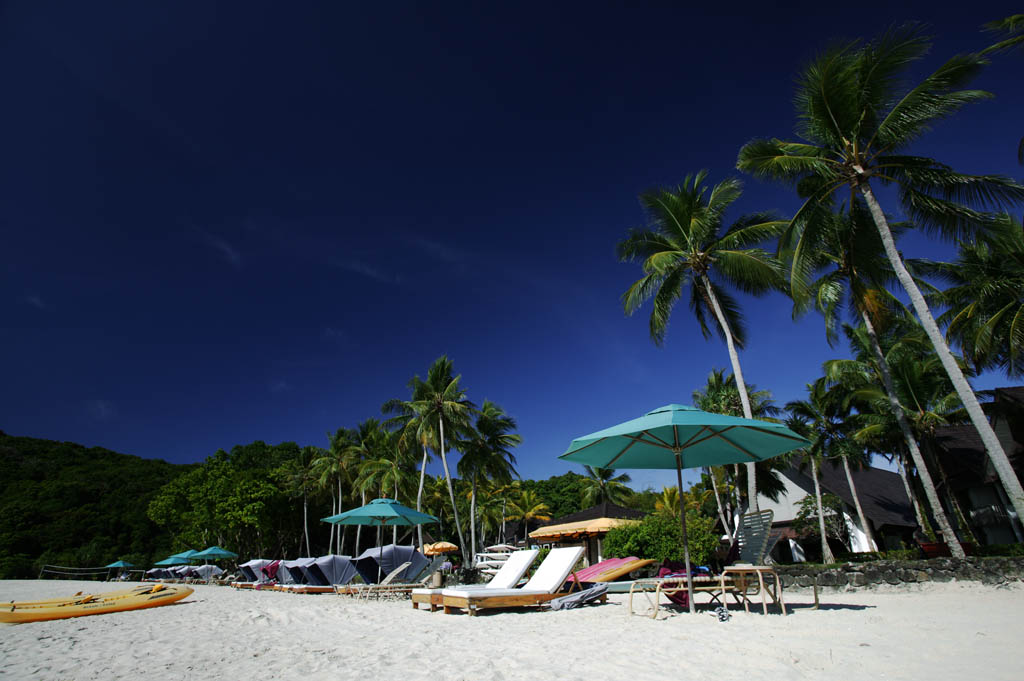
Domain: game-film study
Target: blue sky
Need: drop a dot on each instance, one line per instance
(224, 223)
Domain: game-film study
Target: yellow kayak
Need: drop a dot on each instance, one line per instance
(146, 596)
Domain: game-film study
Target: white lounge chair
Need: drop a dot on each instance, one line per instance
(547, 583)
(506, 578)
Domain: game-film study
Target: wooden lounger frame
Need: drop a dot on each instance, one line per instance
(472, 603)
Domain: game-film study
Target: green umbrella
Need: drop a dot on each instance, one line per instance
(677, 436)
(214, 552)
(120, 564)
(381, 512)
(185, 556)
(171, 561)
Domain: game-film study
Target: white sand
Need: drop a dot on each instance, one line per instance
(938, 631)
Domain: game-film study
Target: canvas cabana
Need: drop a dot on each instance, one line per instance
(291, 571)
(330, 570)
(381, 561)
(251, 570)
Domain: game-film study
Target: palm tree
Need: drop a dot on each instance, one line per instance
(388, 468)
(301, 479)
(487, 455)
(859, 377)
(332, 467)
(602, 484)
(442, 401)
(526, 507)
(668, 501)
(811, 420)
(857, 124)
(985, 300)
(721, 395)
(688, 245)
(414, 427)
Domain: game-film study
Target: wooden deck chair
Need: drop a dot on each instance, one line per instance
(357, 589)
(395, 589)
(511, 571)
(546, 584)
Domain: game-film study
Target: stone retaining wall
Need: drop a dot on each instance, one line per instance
(854, 575)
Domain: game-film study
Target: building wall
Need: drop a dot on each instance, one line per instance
(788, 505)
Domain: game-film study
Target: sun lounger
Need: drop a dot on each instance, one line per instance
(594, 593)
(545, 585)
(357, 589)
(609, 570)
(396, 588)
(511, 571)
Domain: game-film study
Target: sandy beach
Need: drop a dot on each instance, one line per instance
(937, 631)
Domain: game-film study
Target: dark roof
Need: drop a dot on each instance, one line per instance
(1014, 394)
(603, 510)
(881, 492)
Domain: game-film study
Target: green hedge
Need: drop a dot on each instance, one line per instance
(659, 536)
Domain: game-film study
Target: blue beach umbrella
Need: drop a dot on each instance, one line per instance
(120, 564)
(171, 561)
(214, 552)
(678, 436)
(184, 556)
(381, 512)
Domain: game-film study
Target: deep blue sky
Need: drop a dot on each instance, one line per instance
(224, 223)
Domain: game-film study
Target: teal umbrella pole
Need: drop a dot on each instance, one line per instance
(686, 539)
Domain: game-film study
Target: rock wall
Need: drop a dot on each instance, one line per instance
(895, 572)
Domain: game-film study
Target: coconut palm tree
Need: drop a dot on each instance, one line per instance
(487, 455)
(857, 123)
(984, 298)
(1011, 32)
(414, 427)
(688, 244)
(810, 419)
(301, 480)
(526, 507)
(721, 395)
(602, 484)
(442, 401)
(901, 360)
(332, 468)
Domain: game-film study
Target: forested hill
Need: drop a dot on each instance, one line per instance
(65, 504)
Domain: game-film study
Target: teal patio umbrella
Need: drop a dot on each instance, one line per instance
(122, 564)
(381, 512)
(214, 552)
(171, 561)
(678, 436)
(184, 556)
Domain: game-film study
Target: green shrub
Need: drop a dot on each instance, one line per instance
(659, 536)
(1001, 550)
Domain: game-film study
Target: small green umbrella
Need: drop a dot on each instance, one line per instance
(120, 564)
(678, 436)
(381, 512)
(214, 552)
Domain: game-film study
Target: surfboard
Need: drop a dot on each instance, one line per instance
(146, 596)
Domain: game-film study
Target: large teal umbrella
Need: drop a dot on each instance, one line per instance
(381, 512)
(677, 436)
(184, 556)
(171, 561)
(214, 552)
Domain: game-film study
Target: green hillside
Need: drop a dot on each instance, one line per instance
(65, 504)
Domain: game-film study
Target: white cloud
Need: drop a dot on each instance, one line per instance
(35, 301)
(229, 252)
(101, 410)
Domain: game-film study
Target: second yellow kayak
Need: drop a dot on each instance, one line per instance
(137, 598)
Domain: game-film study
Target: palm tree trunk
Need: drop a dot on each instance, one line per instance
(1011, 483)
(472, 525)
(339, 511)
(451, 490)
(305, 521)
(826, 553)
(740, 385)
(902, 467)
(718, 502)
(419, 496)
(359, 528)
(872, 545)
(908, 437)
(330, 542)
